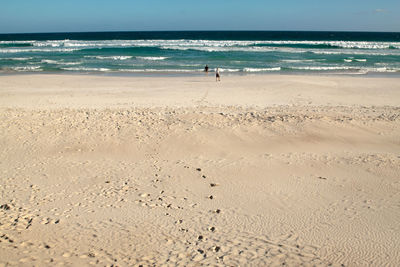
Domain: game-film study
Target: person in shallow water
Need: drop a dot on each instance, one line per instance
(217, 76)
(206, 69)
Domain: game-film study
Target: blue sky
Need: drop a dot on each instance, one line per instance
(20, 16)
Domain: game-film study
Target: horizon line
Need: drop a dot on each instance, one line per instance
(112, 31)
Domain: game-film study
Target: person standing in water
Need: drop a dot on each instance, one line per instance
(217, 76)
(206, 69)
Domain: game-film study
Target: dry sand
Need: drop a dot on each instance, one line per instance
(252, 171)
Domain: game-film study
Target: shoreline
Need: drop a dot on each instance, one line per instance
(197, 74)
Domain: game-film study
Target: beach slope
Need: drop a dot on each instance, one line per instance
(260, 170)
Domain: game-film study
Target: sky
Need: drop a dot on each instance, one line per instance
(27, 16)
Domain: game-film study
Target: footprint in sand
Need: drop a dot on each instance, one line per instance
(216, 248)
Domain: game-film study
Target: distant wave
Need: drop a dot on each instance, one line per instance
(301, 60)
(206, 43)
(261, 69)
(327, 69)
(27, 68)
(12, 50)
(84, 69)
(354, 59)
(160, 70)
(111, 57)
(16, 58)
(212, 46)
(190, 56)
(61, 62)
(355, 52)
(316, 68)
(152, 58)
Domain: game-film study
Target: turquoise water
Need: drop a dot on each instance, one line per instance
(189, 52)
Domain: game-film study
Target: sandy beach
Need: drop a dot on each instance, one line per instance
(256, 170)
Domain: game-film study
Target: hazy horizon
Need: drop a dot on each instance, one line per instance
(61, 32)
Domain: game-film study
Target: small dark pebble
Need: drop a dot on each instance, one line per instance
(91, 255)
(107, 182)
(198, 169)
(218, 211)
(47, 246)
(200, 251)
(203, 176)
(200, 237)
(322, 178)
(216, 249)
(212, 229)
(210, 197)
(212, 184)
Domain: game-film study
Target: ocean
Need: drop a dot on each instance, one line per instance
(188, 52)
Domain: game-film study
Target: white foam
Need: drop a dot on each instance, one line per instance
(261, 69)
(87, 69)
(15, 50)
(324, 68)
(358, 70)
(49, 61)
(18, 58)
(70, 63)
(159, 70)
(16, 42)
(186, 43)
(111, 57)
(152, 58)
(300, 60)
(228, 70)
(27, 68)
(383, 69)
(354, 52)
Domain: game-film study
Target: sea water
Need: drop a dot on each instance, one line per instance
(189, 52)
